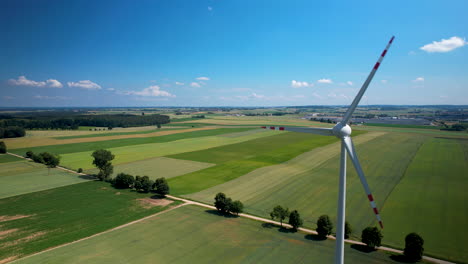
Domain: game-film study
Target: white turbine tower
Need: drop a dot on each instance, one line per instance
(343, 131)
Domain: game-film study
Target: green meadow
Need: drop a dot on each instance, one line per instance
(239, 159)
(4, 158)
(150, 150)
(431, 200)
(23, 177)
(33, 222)
(191, 234)
(158, 167)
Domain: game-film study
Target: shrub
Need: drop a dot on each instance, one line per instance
(347, 230)
(80, 170)
(37, 158)
(324, 226)
(143, 184)
(161, 187)
(413, 247)
(372, 237)
(236, 207)
(29, 154)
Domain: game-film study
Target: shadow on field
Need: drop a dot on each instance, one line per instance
(281, 229)
(363, 248)
(87, 177)
(401, 259)
(268, 225)
(315, 237)
(216, 212)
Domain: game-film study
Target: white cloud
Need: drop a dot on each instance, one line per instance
(445, 45)
(110, 89)
(384, 81)
(257, 96)
(45, 97)
(6, 97)
(85, 84)
(298, 84)
(195, 84)
(210, 8)
(23, 81)
(419, 79)
(179, 83)
(350, 83)
(325, 81)
(203, 78)
(152, 91)
(316, 95)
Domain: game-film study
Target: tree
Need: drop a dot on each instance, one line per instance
(372, 237)
(324, 226)
(161, 187)
(236, 207)
(37, 158)
(50, 160)
(414, 247)
(295, 219)
(143, 184)
(29, 154)
(123, 181)
(280, 213)
(347, 230)
(222, 203)
(3, 148)
(102, 160)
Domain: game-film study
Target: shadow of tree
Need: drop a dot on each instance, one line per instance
(315, 237)
(287, 230)
(363, 248)
(268, 225)
(401, 259)
(87, 177)
(216, 212)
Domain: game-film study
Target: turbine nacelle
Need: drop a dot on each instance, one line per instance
(341, 130)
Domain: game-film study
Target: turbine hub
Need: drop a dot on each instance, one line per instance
(341, 130)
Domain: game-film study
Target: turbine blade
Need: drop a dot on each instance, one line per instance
(311, 130)
(361, 92)
(352, 154)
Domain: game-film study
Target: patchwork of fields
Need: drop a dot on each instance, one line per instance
(191, 234)
(417, 178)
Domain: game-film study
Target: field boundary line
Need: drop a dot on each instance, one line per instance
(306, 230)
(101, 233)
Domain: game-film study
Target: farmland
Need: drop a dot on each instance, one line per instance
(193, 235)
(56, 216)
(22, 177)
(432, 194)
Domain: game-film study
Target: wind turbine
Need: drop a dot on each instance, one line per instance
(343, 131)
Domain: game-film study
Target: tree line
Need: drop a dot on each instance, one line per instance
(73, 122)
(12, 132)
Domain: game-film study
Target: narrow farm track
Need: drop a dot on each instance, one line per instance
(186, 202)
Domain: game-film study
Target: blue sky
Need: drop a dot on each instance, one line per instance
(231, 53)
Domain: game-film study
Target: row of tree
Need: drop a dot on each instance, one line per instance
(73, 122)
(371, 236)
(226, 205)
(46, 158)
(12, 132)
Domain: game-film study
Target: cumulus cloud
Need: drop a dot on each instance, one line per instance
(350, 83)
(195, 84)
(419, 79)
(203, 78)
(445, 45)
(152, 91)
(85, 84)
(23, 81)
(325, 81)
(179, 83)
(298, 84)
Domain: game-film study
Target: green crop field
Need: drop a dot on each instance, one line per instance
(106, 144)
(22, 177)
(309, 183)
(114, 134)
(37, 221)
(144, 151)
(4, 158)
(403, 126)
(191, 234)
(158, 167)
(432, 199)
